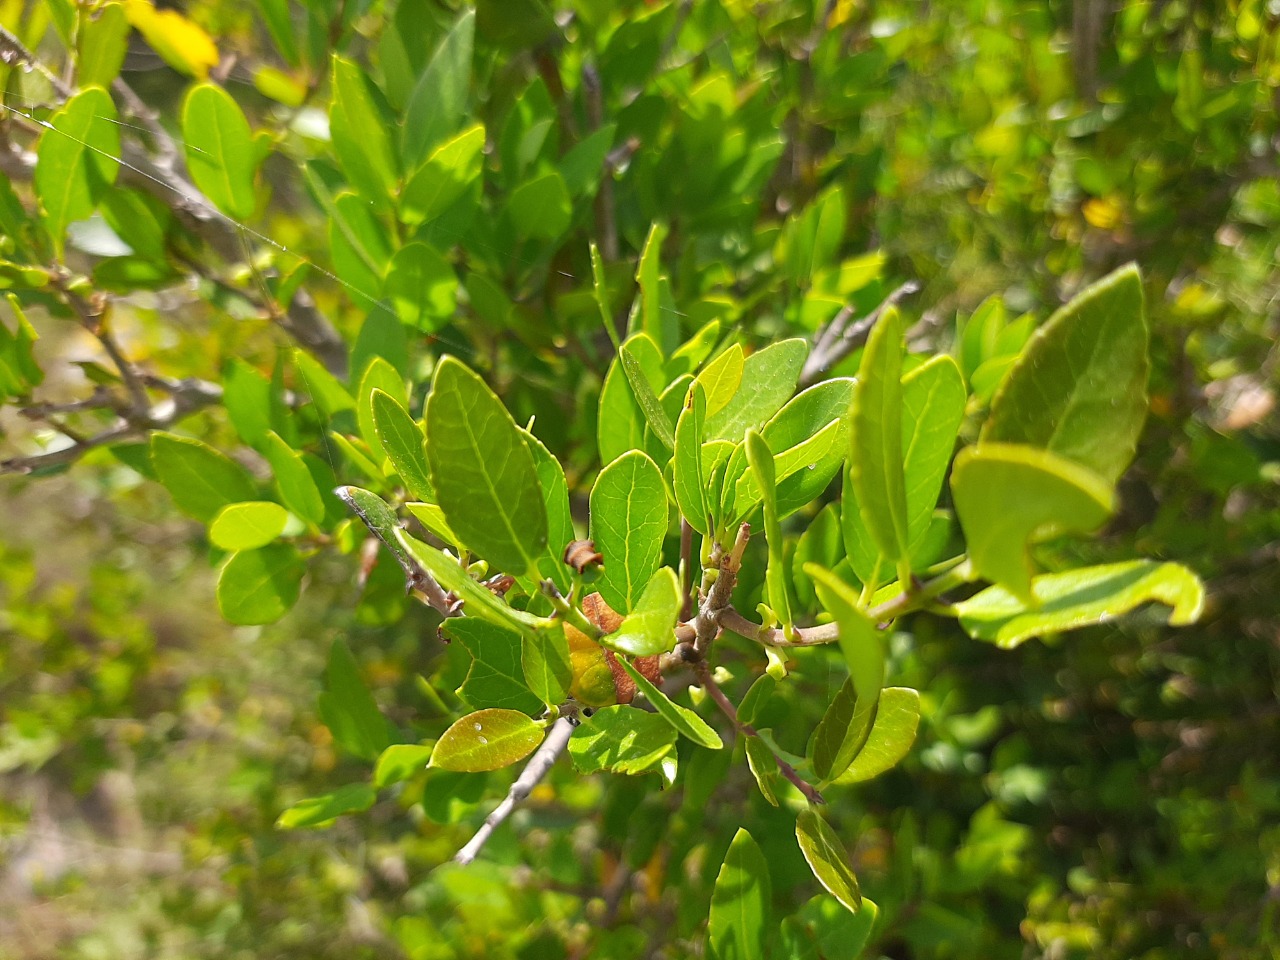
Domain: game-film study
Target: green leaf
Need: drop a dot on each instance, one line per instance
(102, 43)
(649, 278)
(650, 407)
(348, 708)
(583, 166)
(297, 487)
(219, 149)
(360, 247)
(621, 739)
(755, 698)
(740, 923)
(933, 402)
(1081, 598)
(761, 461)
(763, 767)
(245, 526)
(382, 523)
(76, 160)
(685, 721)
(721, 378)
(324, 389)
(826, 858)
(649, 629)
(769, 379)
(833, 932)
(246, 395)
(555, 497)
(821, 544)
(803, 472)
(438, 104)
(620, 423)
(540, 208)
(876, 465)
(422, 287)
(600, 291)
(628, 525)
(859, 637)
(445, 178)
(892, 734)
(432, 518)
(382, 335)
(322, 810)
(404, 444)
(841, 733)
(688, 480)
(483, 472)
(496, 677)
(378, 375)
(399, 762)
(1079, 389)
(479, 600)
(487, 740)
(1008, 497)
(200, 479)
(260, 586)
(547, 667)
(360, 127)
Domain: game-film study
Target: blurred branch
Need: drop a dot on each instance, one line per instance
(841, 337)
(539, 764)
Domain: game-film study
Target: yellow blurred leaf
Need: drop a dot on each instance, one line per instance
(184, 45)
(1103, 214)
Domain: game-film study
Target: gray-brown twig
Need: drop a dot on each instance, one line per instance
(842, 335)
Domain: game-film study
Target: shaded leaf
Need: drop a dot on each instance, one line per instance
(621, 739)
(324, 809)
(827, 859)
(740, 922)
(200, 479)
(496, 677)
(404, 444)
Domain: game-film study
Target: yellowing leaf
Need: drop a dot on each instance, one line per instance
(183, 44)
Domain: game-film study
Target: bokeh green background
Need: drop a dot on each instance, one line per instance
(1113, 795)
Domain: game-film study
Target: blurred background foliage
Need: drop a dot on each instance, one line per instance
(1116, 795)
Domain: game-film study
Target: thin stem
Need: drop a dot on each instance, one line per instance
(839, 338)
(703, 672)
(543, 760)
(569, 612)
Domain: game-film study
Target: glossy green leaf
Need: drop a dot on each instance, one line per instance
(324, 809)
(620, 423)
(496, 677)
(760, 459)
(453, 169)
(547, 667)
(859, 637)
(362, 134)
(438, 104)
(621, 739)
(422, 287)
(649, 628)
(404, 444)
(483, 472)
(769, 379)
(400, 762)
(245, 526)
(685, 721)
(655, 416)
(933, 402)
(297, 487)
(1008, 497)
(763, 767)
(740, 923)
(478, 600)
(540, 208)
(348, 708)
(628, 525)
(1079, 389)
(555, 497)
(721, 378)
(801, 472)
(842, 732)
(102, 44)
(200, 479)
(688, 480)
(487, 740)
(894, 731)
(260, 586)
(219, 149)
(324, 389)
(378, 375)
(827, 859)
(1081, 598)
(876, 465)
(76, 160)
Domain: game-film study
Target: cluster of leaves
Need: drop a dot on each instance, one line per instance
(462, 164)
